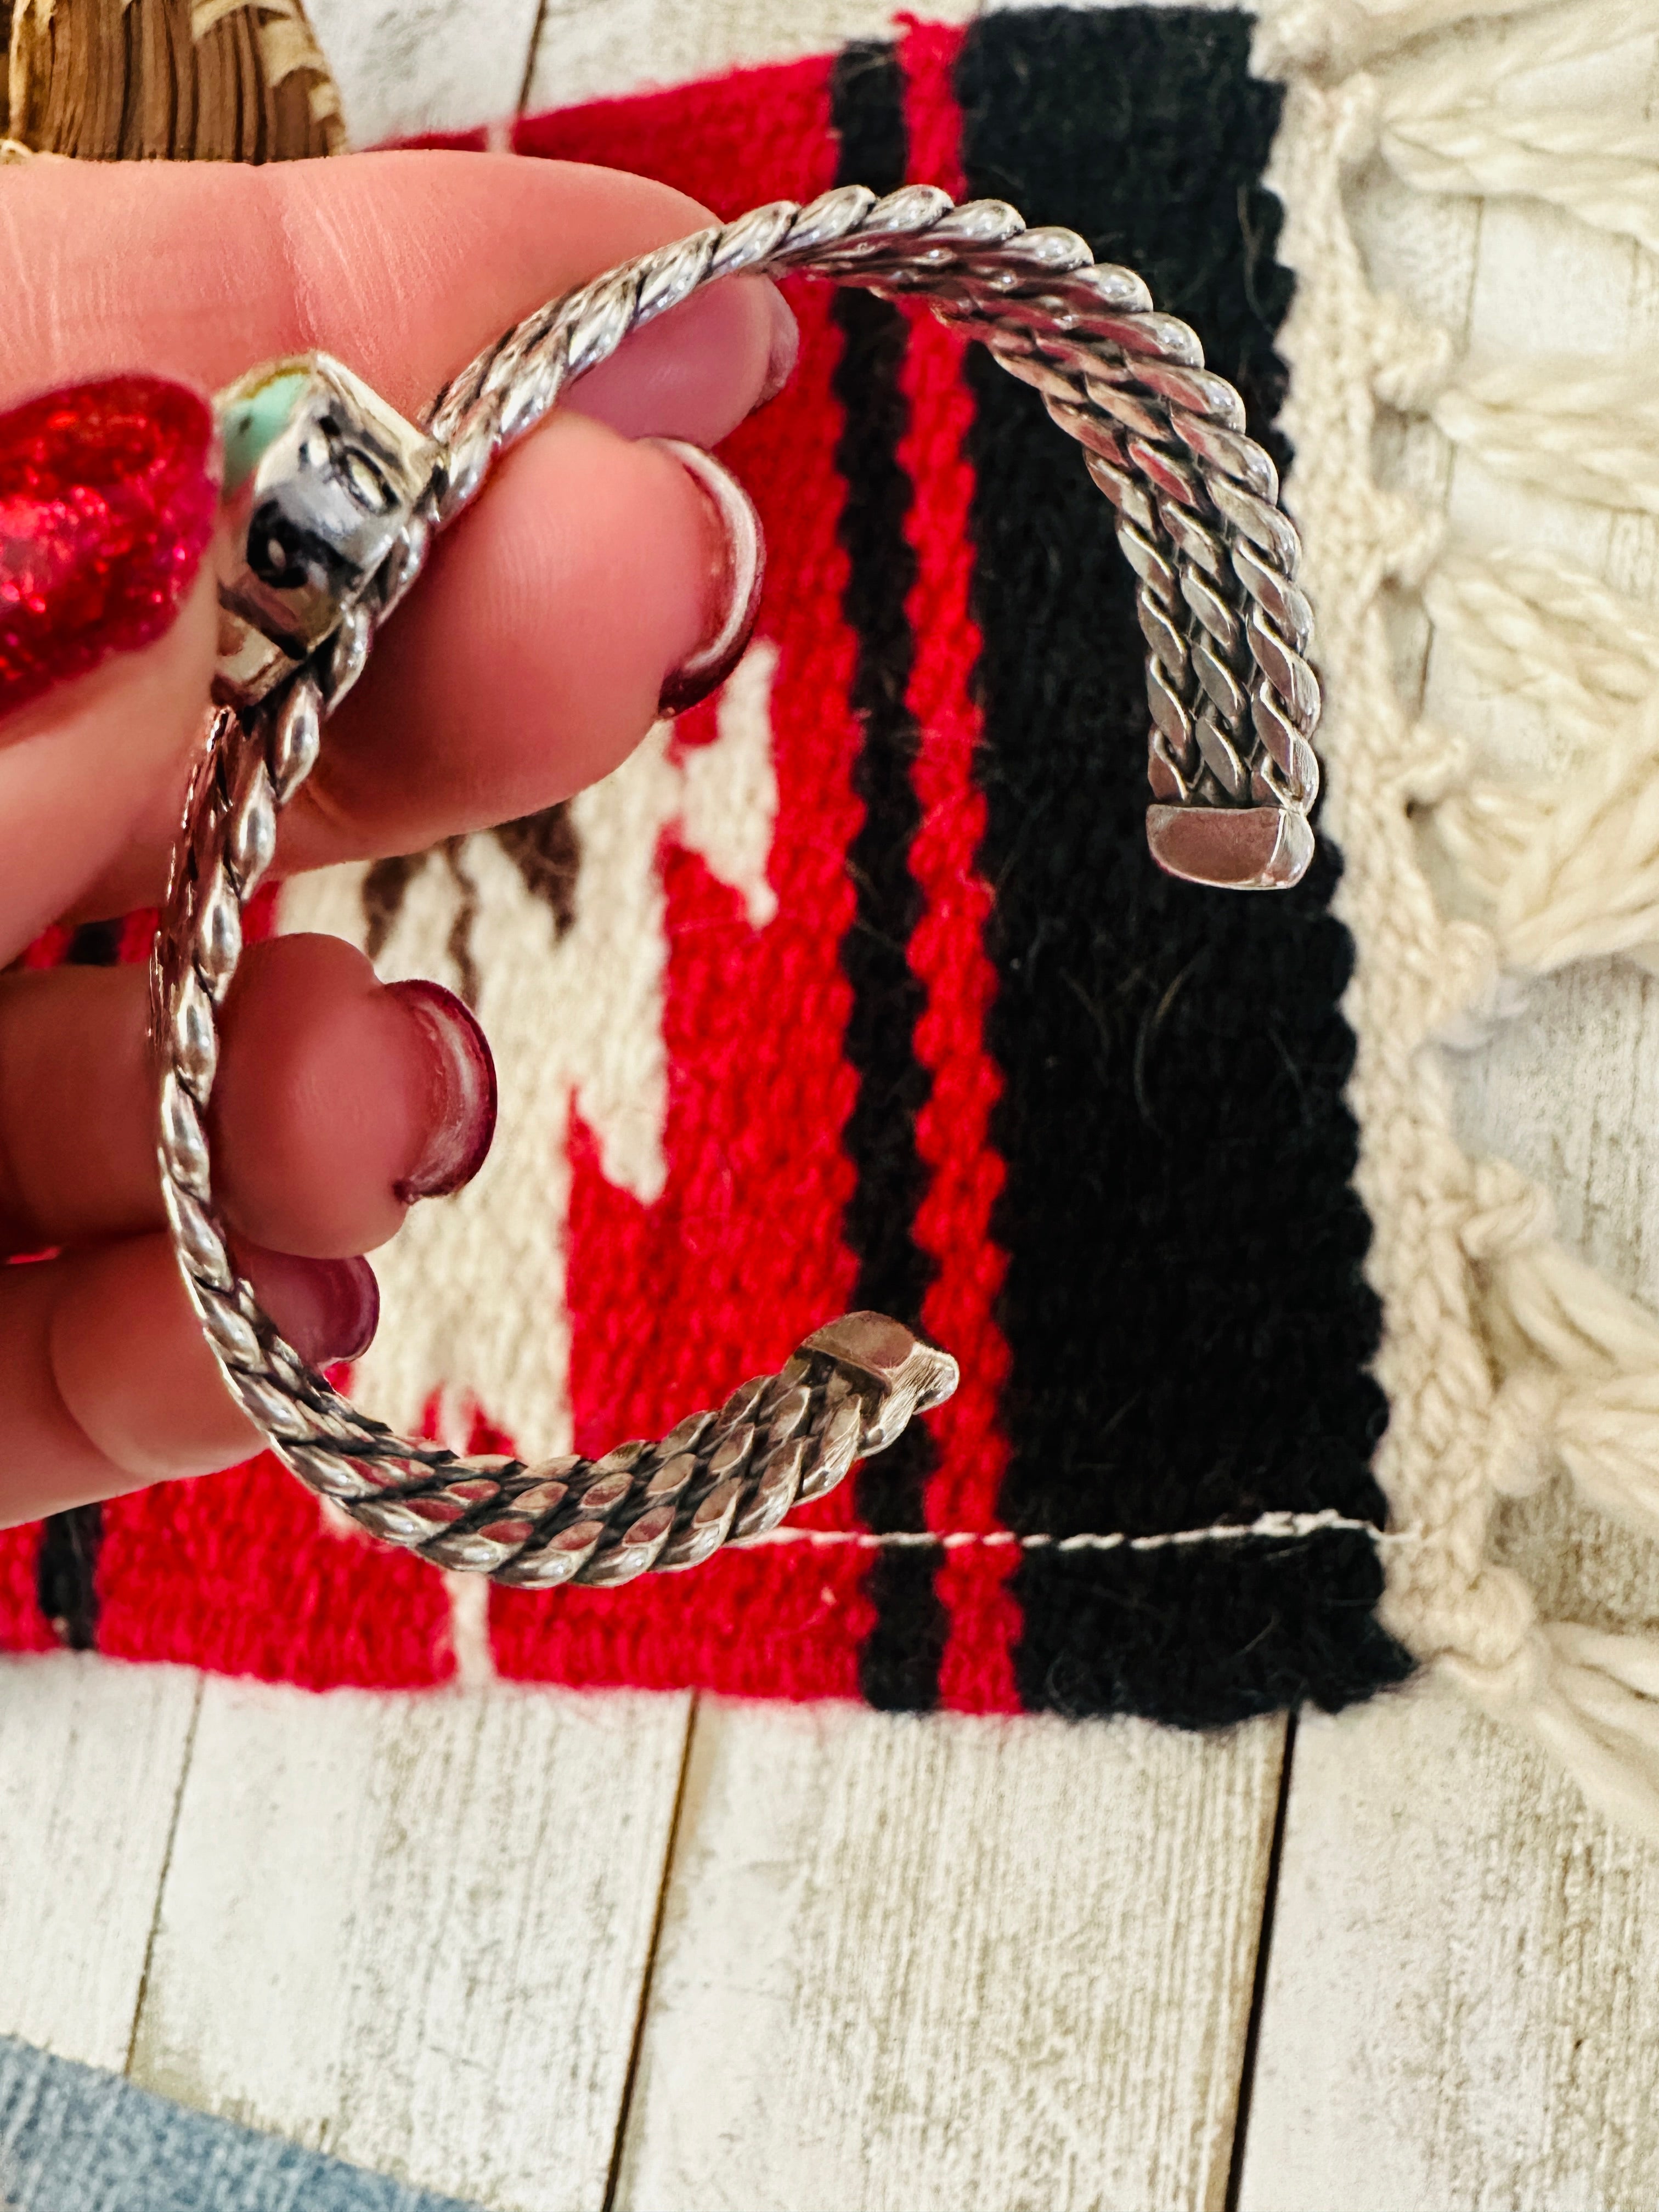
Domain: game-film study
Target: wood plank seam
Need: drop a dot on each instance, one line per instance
(1263, 1959)
(900, 1967)
(521, 105)
(625, 2102)
(92, 1755)
(162, 1877)
(364, 1886)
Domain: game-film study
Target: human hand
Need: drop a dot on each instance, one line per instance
(528, 660)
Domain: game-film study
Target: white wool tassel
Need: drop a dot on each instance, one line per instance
(1590, 1698)
(1340, 35)
(1494, 46)
(1568, 869)
(1445, 126)
(1550, 634)
(1582, 429)
(1587, 1358)
(1604, 170)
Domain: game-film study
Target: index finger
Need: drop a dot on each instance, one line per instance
(403, 264)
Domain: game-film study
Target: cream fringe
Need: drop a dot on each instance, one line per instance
(1330, 38)
(1608, 174)
(1584, 654)
(1502, 1355)
(1445, 124)
(1567, 870)
(1583, 430)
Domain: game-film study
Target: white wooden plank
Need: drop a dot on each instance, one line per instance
(1463, 2000)
(411, 1931)
(944, 1962)
(92, 1755)
(406, 66)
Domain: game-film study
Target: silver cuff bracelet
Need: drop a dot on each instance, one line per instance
(334, 500)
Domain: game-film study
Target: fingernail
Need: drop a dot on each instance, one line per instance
(326, 1309)
(108, 493)
(736, 574)
(461, 1113)
(785, 347)
(681, 370)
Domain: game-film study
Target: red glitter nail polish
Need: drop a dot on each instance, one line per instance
(107, 497)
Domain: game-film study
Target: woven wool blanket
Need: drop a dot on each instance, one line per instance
(856, 986)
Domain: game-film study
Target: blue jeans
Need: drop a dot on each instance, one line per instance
(73, 2139)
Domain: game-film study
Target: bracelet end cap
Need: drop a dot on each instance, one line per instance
(1241, 848)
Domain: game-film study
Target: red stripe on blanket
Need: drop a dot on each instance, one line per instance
(239, 1573)
(23, 1625)
(947, 950)
(674, 1304)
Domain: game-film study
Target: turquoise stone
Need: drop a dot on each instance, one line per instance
(252, 421)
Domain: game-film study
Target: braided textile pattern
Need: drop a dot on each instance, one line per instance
(1233, 705)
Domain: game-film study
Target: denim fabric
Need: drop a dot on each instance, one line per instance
(73, 2139)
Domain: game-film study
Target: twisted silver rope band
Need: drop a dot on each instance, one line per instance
(1233, 705)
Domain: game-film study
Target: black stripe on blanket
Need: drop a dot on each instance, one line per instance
(898, 1663)
(1190, 1331)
